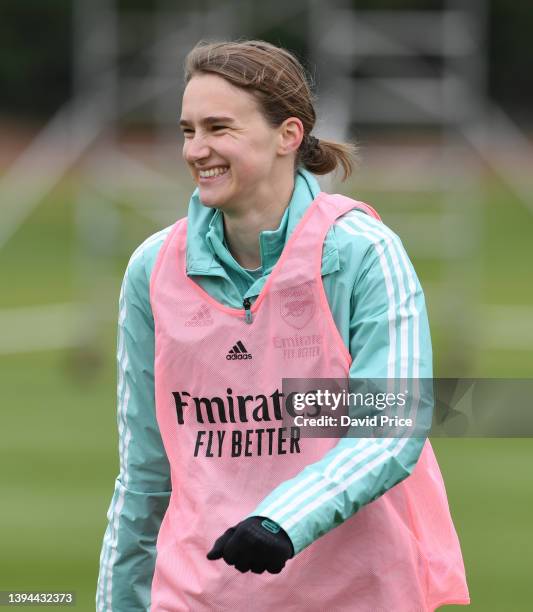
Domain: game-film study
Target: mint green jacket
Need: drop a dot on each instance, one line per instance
(379, 309)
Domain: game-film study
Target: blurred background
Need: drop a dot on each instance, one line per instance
(438, 95)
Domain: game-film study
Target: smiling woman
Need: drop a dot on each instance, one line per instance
(268, 278)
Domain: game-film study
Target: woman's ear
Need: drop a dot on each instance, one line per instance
(291, 133)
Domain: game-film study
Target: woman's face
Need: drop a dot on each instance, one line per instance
(229, 147)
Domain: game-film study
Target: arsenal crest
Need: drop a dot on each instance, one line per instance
(297, 305)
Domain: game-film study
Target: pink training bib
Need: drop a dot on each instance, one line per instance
(218, 402)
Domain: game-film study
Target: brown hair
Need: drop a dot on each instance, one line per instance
(279, 82)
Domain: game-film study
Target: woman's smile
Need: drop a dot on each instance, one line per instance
(212, 176)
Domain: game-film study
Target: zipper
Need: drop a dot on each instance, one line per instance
(247, 312)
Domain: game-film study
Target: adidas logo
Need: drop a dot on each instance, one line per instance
(201, 318)
(238, 352)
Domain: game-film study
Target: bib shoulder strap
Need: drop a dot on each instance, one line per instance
(345, 203)
(175, 245)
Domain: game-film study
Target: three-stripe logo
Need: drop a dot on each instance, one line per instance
(238, 351)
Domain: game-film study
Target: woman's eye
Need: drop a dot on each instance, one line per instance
(187, 132)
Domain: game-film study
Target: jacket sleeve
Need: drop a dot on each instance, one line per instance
(389, 339)
(142, 488)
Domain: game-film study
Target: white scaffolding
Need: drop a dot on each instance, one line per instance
(413, 71)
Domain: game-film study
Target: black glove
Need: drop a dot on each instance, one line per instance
(256, 544)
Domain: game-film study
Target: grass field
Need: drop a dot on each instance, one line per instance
(59, 457)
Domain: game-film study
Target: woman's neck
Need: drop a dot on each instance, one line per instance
(241, 231)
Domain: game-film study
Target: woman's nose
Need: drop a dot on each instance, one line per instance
(195, 148)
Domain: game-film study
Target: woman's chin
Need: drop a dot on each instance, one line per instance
(212, 195)
(210, 199)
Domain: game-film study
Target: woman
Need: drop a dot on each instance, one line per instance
(267, 278)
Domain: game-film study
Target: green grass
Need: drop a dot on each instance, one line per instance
(490, 492)
(59, 462)
(59, 456)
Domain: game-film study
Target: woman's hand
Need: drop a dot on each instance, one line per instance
(255, 544)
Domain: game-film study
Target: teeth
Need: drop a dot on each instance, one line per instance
(212, 172)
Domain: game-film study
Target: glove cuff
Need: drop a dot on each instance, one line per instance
(271, 529)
